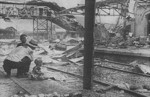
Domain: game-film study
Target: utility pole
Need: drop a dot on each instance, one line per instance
(88, 43)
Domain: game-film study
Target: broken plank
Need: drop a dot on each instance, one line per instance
(76, 59)
(75, 63)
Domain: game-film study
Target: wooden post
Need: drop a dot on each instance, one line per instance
(37, 33)
(88, 43)
(33, 28)
(51, 31)
(47, 30)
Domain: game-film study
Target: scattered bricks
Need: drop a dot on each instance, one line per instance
(70, 94)
(77, 94)
(146, 87)
(48, 95)
(33, 96)
(66, 95)
(20, 92)
(123, 85)
(122, 91)
(56, 94)
(26, 95)
(15, 96)
(60, 47)
(143, 40)
(122, 44)
(127, 86)
(40, 95)
(141, 90)
(135, 87)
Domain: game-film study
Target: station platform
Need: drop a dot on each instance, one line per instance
(123, 55)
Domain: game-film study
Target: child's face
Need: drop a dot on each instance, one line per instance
(38, 63)
(23, 39)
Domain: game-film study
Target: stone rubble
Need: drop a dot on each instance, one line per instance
(55, 94)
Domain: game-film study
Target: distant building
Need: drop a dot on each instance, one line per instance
(11, 29)
(59, 33)
(8, 33)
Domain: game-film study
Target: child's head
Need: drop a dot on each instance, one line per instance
(38, 62)
(23, 38)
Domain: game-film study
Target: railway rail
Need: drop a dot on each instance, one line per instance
(26, 91)
(107, 84)
(99, 82)
(119, 63)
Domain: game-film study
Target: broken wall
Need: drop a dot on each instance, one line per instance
(101, 34)
(141, 20)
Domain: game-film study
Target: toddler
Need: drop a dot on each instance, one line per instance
(36, 73)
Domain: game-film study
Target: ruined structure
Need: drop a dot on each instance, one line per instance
(142, 17)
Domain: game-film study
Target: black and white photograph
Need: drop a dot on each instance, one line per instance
(74, 48)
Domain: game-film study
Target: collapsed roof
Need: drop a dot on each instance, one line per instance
(51, 5)
(102, 3)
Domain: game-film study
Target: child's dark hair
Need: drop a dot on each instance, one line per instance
(22, 35)
(38, 61)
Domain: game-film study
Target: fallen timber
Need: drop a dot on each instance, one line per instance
(99, 82)
(118, 63)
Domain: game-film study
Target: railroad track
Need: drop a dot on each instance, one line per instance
(120, 70)
(114, 62)
(22, 88)
(109, 85)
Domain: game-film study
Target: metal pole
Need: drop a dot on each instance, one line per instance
(88, 43)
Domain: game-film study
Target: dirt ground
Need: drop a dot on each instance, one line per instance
(8, 87)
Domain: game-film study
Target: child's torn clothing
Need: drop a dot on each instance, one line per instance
(36, 74)
(37, 70)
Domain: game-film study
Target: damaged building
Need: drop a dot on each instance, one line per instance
(142, 17)
(97, 49)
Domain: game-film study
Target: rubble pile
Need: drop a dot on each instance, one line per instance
(55, 94)
(137, 83)
(71, 56)
(118, 38)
